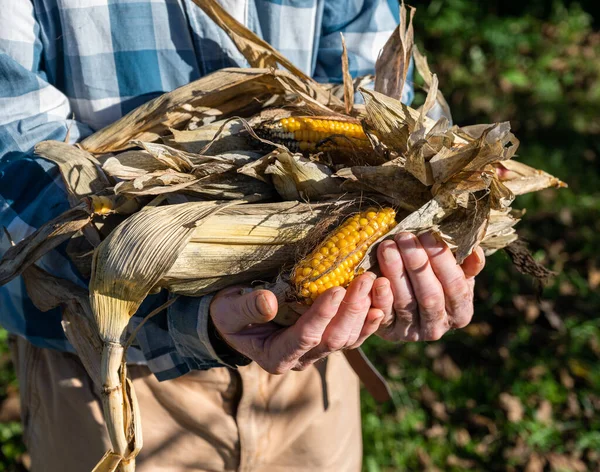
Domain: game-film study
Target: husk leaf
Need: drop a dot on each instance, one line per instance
(520, 178)
(424, 71)
(348, 87)
(423, 219)
(465, 228)
(132, 164)
(79, 169)
(392, 64)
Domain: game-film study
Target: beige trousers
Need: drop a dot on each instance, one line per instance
(216, 420)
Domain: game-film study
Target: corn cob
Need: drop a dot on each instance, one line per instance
(102, 205)
(333, 262)
(313, 134)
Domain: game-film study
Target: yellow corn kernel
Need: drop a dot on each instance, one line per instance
(334, 261)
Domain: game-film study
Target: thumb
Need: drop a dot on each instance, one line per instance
(232, 312)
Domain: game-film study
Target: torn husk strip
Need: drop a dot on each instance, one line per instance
(423, 68)
(392, 64)
(348, 86)
(109, 462)
(297, 178)
(195, 141)
(465, 228)
(47, 292)
(113, 400)
(388, 115)
(257, 51)
(500, 231)
(392, 181)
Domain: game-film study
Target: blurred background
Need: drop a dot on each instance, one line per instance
(519, 389)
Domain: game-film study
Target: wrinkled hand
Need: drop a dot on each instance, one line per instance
(338, 319)
(424, 292)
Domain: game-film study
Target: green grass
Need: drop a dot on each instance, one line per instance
(11, 445)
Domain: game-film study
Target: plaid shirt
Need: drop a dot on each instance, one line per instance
(82, 64)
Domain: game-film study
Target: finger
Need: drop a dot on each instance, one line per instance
(427, 288)
(372, 323)
(234, 310)
(354, 308)
(345, 328)
(458, 294)
(283, 350)
(382, 296)
(402, 324)
(474, 263)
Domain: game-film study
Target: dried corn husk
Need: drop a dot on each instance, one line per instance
(348, 85)
(392, 65)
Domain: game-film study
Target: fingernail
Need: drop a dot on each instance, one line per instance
(428, 239)
(382, 290)
(406, 241)
(338, 296)
(391, 254)
(477, 256)
(263, 305)
(365, 286)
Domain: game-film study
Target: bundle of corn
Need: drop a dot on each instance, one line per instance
(238, 176)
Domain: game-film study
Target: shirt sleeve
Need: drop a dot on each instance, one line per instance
(32, 193)
(366, 26)
(177, 342)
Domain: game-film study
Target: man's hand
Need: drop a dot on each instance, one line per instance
(338, 319)
(424, 292)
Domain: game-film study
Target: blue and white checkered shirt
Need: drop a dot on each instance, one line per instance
(82, 64)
